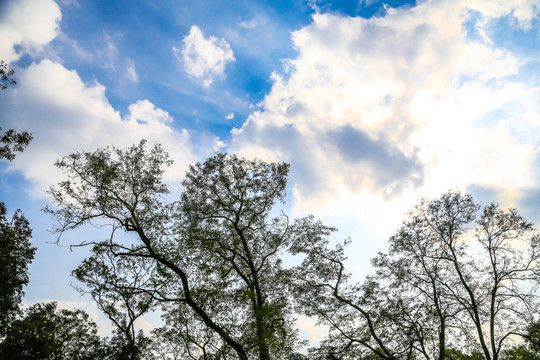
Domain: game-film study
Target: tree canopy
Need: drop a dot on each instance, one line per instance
(219, 245)
(459, 280)
(456, 276)
(49, 333)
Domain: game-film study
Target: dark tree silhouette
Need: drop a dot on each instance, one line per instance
(16, 253)
(13, 142)
(433, 289)
(16, 250)
(218, 248)
(46, 332)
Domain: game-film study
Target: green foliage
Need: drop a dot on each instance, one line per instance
(430, 292)
(212, 260)
(221, 249)
(46, 333)
(161, 270)
(454, 354)
(120, 348)
(117, 287)
(184, 336)
(16, 250)
(529, 349)
(6, 76)
(13, 141)
(226, 204)
(16, 253)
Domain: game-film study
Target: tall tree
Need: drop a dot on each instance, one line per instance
(219, 248)
(226, 206)
(46, 332)
(16, 250)
(16, 253)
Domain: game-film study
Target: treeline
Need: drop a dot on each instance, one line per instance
(459, 281)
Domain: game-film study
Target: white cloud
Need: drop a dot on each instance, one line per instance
(378, 111)
(522, 11)
(66, 115)
(229, 116)
(144, 112)
(131, 73)
(26, 26)
(310, 330)
(251, 24)
(109, 52)
(218, 144)
(144, 325)
(204, 59)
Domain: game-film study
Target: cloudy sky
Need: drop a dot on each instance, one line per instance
(375, 104)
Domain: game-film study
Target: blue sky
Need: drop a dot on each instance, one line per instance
(375, 104)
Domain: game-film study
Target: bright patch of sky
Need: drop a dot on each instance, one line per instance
(374, 103)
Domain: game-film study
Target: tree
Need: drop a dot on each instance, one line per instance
(324, 291)
(454, 275)
(218, 246)
(494, 289)
(118, 347)
(415, 272)
(113, 285)
(16, 250)
(6, 76)
(16, 253)
(226, 204)
(50, 334)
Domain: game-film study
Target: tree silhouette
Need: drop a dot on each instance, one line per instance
(16, 253)
(218, 244)
(46, 332)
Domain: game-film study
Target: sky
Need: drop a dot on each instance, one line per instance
(375, 104)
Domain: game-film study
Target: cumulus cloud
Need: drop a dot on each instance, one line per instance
(388, 106)
(204, 59)
(66, 115)
(26, 26)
